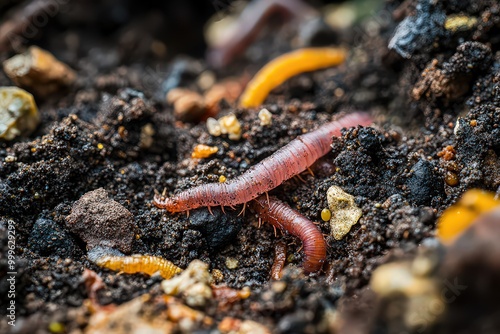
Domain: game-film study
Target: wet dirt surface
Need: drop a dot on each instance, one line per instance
(113, 129)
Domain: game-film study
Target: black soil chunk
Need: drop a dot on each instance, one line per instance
(368, 163)
(48, 238)
(423, 183)
(218, 228)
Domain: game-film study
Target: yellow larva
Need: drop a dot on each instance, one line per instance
(146, 264)
(286, 66)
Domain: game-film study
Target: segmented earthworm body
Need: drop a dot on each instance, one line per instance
(279, 260)
(251, 21)
(146, 264)
(286, 66)
(290, 160)
(281, 215)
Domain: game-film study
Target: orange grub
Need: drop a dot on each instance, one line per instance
(458, 217)
(286, 66)
(145, 264)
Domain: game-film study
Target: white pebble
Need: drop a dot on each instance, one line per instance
(266, 118)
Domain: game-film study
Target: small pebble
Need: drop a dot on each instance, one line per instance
(345, 213)
(206, 80)
(231, 263)
(203, 151)
(279, 286)
(39, 71)
(18, 113)
(265, 117)
(230, 125)
(214, 127)
(101, 221)
(218, 228)
(192, 284)
(217, 276)
(423, 183)
(229, 90)
(146, 136)
(56, 327)
(189, 106)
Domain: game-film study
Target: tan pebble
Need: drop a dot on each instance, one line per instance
(18, 113)
(174, 94)
(217, 276)
(345, 212)
(189, 107)
(229, 325)
(192, 284)
(231, 263)
(39, 71)
(146, 137)
(213, 127)
(230, 125)
(198, 294)
(459, 22)
(279, 286)
(253, 327)
(206, 80)
(265, 116)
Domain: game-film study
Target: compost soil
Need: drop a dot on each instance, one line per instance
(424, 98)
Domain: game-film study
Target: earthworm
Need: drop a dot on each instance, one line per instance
(250, 23)
(290, 160)
(284, 217)
(147, 264)
(286, 66)
(279, 260)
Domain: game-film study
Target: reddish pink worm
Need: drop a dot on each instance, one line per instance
(290, 160)
(281, 215)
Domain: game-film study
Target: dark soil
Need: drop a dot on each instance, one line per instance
(90, 138)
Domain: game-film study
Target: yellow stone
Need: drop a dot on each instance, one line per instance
(345, 212)
(18, 113)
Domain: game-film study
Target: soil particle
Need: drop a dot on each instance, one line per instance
(419, 30)
(423, 183)
(471, 57)
(48, 238)
(364, 164)
(218, 228)
(456, 75)
(100, 221)
(406, 218)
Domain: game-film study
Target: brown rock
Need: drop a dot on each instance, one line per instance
(189, 106)
(39, 72)
(99, 220)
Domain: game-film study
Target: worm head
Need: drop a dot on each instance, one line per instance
(170, 204)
